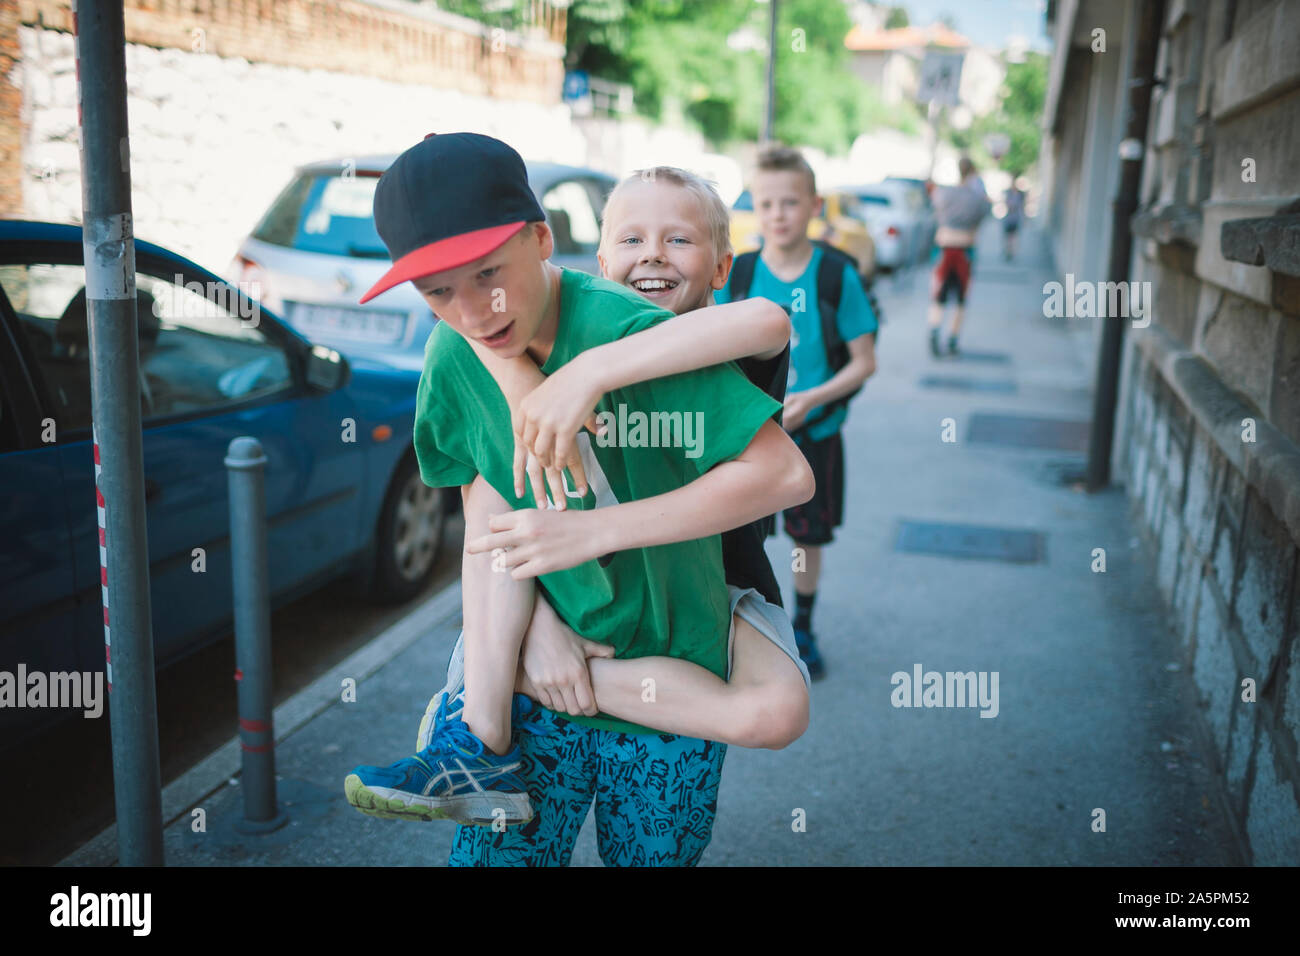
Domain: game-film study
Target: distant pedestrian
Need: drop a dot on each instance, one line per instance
(1015, 202)
(959, 210)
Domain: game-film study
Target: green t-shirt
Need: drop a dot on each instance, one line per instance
(668, 600)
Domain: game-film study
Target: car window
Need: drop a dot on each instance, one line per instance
(573, 219)
(598, 190)
(329, 214)
(197, 349)
(866, 205)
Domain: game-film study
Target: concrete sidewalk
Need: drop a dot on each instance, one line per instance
(1093, 712)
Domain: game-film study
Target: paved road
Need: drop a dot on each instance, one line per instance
(197, 712)
(1090, 715)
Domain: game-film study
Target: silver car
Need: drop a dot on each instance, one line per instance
(316, 252)
(898, 220)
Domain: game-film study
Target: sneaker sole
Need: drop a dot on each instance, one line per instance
(470, 809)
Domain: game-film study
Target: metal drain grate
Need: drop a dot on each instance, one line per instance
(1022, 431)
(992, 358)
(965, 384)
(971, 541)
(999, 276)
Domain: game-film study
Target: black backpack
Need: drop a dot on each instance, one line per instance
(830, 289)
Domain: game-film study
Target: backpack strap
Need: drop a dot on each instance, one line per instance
(742, 275)
(830, 290)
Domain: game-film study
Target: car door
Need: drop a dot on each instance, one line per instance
(209, 374)
(37, 584)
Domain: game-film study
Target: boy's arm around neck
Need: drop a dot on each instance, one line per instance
(693, 340)
(549, 412)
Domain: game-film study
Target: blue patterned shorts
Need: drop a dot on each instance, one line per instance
(656, 797)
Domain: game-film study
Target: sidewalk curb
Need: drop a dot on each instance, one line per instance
(214, 771)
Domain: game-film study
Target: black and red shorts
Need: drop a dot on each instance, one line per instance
(814, 521)
(951, 274)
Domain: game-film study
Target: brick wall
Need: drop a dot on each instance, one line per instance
(11, 101)
(400, 42)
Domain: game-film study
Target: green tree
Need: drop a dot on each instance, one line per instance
(1018, 115)
(897, 18)
(676, 53)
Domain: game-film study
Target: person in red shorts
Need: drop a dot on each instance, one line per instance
(959, 210)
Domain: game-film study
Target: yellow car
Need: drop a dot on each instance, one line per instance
(842, 231)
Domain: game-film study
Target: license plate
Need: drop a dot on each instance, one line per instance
(340, 322)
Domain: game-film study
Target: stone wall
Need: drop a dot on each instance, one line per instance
(1207, 436)
(214, 138)
(1227, 564)
(1210, 427)
(227, 97)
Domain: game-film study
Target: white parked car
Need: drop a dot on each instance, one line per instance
(898, 220)
(315, 253)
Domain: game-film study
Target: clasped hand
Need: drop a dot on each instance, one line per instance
(530, 541)
(546, 424)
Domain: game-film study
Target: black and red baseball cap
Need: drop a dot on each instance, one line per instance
(449, 200)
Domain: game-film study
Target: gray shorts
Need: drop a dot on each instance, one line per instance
(769, 620)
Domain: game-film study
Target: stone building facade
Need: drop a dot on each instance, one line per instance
(1208, 429)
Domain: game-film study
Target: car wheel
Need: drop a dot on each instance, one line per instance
(408, 536)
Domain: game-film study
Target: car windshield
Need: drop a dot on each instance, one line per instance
(326, 213)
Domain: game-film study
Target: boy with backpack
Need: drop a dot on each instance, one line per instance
(832, 355)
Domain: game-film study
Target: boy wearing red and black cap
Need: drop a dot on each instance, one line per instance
(461, 222)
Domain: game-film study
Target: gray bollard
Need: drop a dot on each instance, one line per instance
(244, 462)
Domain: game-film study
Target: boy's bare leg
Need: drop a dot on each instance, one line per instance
(805, 581)
(764, 705)
(936, 315)
(497, 610)
(958, 314)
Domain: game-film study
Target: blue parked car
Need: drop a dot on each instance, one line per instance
(343, 489)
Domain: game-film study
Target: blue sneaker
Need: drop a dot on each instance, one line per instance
(453, 690)
(809, 654)
(454, 778)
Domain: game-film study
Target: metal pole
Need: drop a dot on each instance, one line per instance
(932, 116)
(1106, 391)
(769, 121)
(109, 245)
(245, 462)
